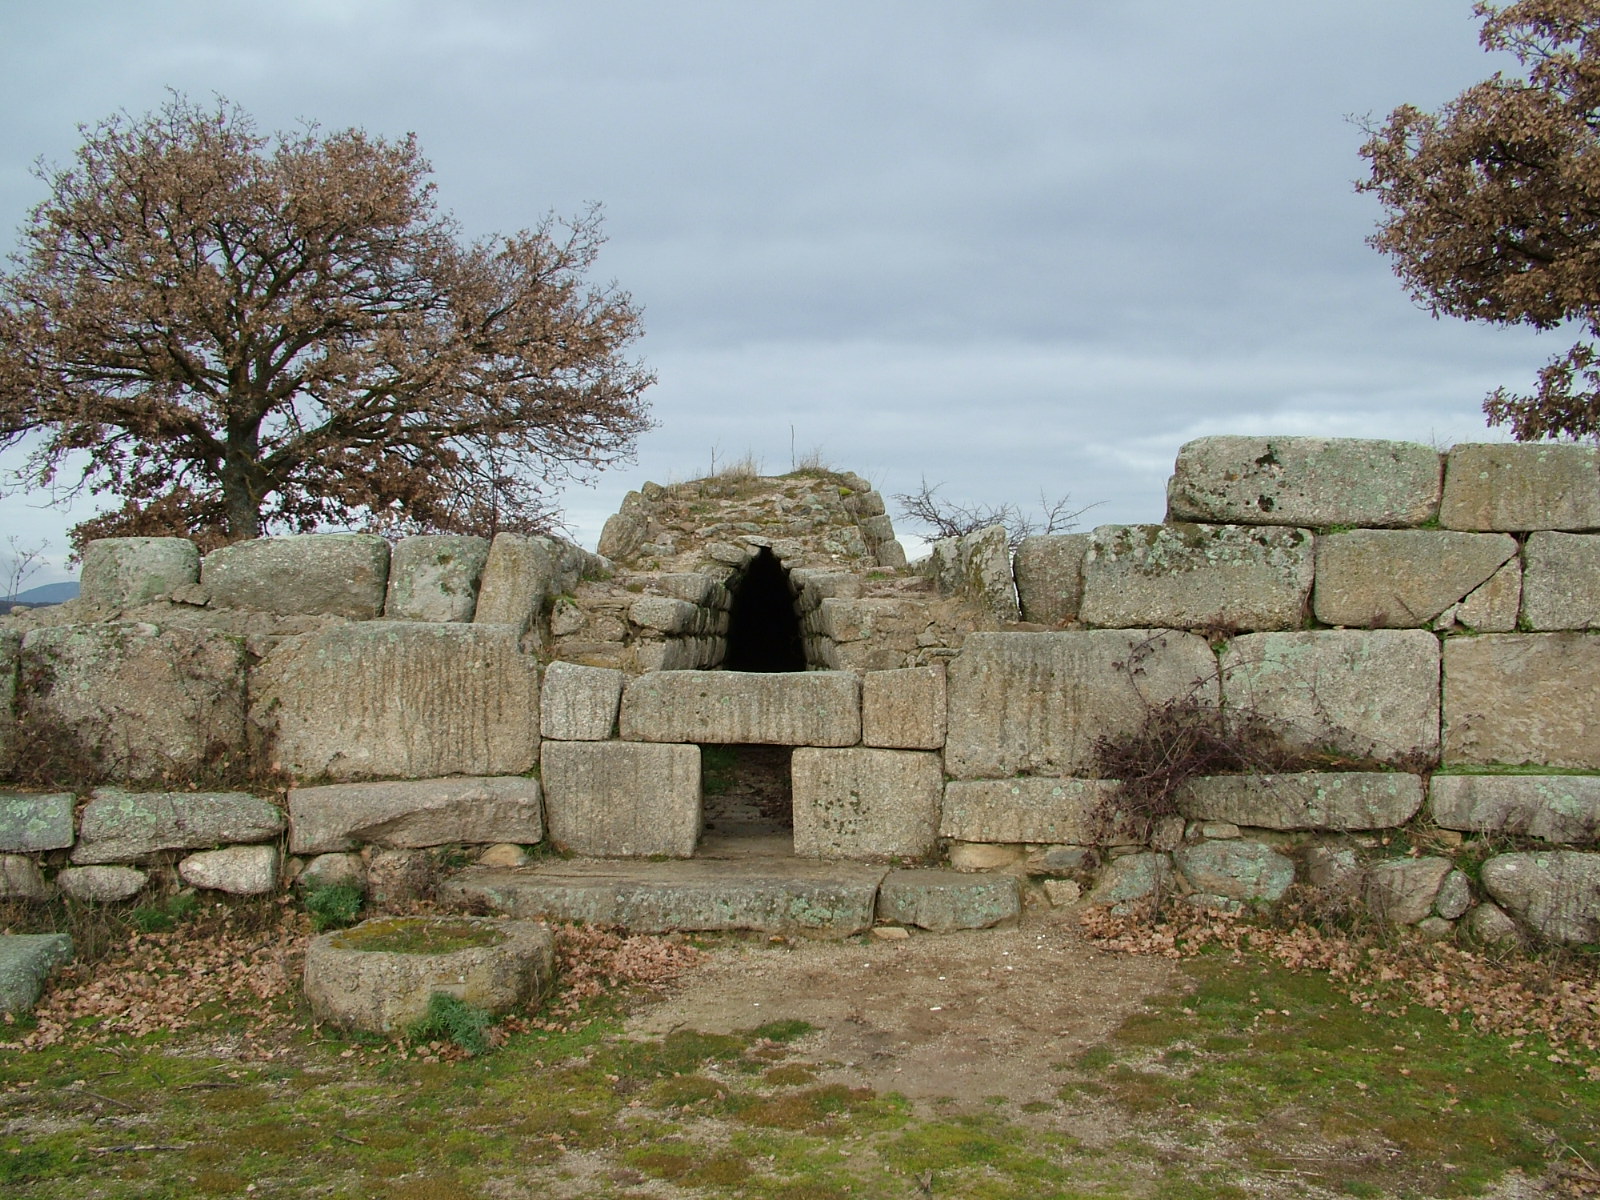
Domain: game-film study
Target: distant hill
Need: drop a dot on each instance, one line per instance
(50, 593)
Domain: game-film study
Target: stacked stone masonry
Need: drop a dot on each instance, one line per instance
(1416, 634)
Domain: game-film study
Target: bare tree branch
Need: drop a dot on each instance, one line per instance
(948, 518)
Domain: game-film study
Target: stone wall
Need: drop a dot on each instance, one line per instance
(1406, 638)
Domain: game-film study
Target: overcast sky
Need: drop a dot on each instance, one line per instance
(1003, 245)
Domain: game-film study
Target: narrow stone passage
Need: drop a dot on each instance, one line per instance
(747, 791)
(763, 628)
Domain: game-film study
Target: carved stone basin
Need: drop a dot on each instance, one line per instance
(378, 976)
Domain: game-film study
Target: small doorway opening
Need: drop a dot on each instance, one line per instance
(763, 628)
(746, 797)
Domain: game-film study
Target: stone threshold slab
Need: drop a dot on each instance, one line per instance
(766, 893)
(831, 900)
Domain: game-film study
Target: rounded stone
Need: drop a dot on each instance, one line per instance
(237, 870)
(1238, 870)
(379, 976)
(1133, 877)
(101, 885)
(1492, 925)
(1455, 896)
(1062, 892)
(503, 854)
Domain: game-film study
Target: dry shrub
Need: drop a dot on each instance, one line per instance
(1179, 741)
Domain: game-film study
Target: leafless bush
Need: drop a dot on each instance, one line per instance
(1179, 741)
(18, 564)
(949, 518)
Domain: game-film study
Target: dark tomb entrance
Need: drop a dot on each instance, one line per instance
(763, 630)
(746, 793)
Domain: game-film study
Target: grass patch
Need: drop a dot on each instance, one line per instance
(718, 765)
(1400, 1101)
(1251, 1078)
(418, 935)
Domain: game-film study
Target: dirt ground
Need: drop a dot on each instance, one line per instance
(957, 1017)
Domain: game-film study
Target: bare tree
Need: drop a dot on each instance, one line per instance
(948, 518)
(241, 332)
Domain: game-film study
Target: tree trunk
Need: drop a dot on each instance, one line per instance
(241, 482)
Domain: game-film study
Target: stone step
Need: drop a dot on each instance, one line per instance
(25, 960)
(738, 889)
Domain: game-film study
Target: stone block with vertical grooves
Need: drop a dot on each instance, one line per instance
(621, 799)
(579, 704)
(1371, 695)
(811, 708)
(337, 574)
(1036, 703)
(863, 803)
(1521, 486)
(399, 699)
(1307, 481)
(1522, 698)
(903, 709)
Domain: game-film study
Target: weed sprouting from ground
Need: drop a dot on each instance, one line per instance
(333, 906)
(165, 915)
(453, 1020)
